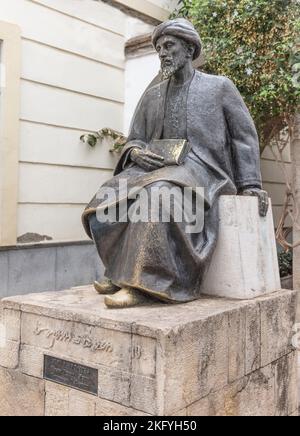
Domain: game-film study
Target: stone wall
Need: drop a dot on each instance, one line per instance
(210, 357)
(47, 267)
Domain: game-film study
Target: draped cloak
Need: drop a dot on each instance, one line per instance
(161, 259)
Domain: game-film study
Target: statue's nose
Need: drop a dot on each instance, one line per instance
(163, 53)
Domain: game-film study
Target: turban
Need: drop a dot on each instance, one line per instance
(182, 29)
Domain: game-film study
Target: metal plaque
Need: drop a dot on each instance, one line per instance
(71, 374)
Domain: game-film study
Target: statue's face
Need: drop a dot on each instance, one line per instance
(173, 54)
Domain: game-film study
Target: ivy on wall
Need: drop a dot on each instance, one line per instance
(251, 42)
(118, 139)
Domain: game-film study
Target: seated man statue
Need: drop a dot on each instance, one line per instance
(160, 260)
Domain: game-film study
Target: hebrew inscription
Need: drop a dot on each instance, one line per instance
(61, 335)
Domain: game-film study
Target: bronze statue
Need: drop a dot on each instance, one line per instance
(161, 260)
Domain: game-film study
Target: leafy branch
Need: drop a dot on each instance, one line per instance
(251, 41)
(119, 140)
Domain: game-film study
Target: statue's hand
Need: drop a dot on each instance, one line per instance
(146, 159)
(263, 199)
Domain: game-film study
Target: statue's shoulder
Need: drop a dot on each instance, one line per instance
(155, 90)
(211, 81)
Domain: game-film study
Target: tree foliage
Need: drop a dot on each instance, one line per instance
(251, 42)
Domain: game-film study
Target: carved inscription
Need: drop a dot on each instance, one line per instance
(85, 341)
(71, 374)
(136, 352)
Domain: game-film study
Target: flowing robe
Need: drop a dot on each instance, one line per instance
(161, 259)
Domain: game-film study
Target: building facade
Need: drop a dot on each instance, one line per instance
(68, 67)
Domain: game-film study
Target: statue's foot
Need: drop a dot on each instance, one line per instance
(106, 287)
(125, 298)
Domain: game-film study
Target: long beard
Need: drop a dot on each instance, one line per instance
(168, 71)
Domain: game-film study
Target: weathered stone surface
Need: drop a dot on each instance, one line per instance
(107, 408)
(269, 391)
(81, 404)
(128, 389)
(31, 361)
(277, 321)
(299, 376)
(286, 389)
(20, 395)
(84, 305)
(237, 344)
(56, 400)
(195, 361)
(202, 358)
(143, 394)
(182, 412)
(9, 337)
(243, 231)
(143, 354)
(298, 309)
(118, 386)
(64, 401)
(253, 335)
(2, 330)
(12, 322)
(251, 396)
(77, 341)
(9, 354)
(114, 385)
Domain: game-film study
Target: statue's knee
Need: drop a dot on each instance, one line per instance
(161, 184)
(93, 222)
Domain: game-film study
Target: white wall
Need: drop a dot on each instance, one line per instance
(140, 71)
(170, 5)
(10, 41)
(135, 27)
(72, 81)
(158, 10)
(274, 181)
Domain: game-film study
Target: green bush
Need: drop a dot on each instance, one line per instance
(251, 41)
(285, 259)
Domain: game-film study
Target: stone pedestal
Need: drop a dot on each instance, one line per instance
(210, 357)
(244, 264)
